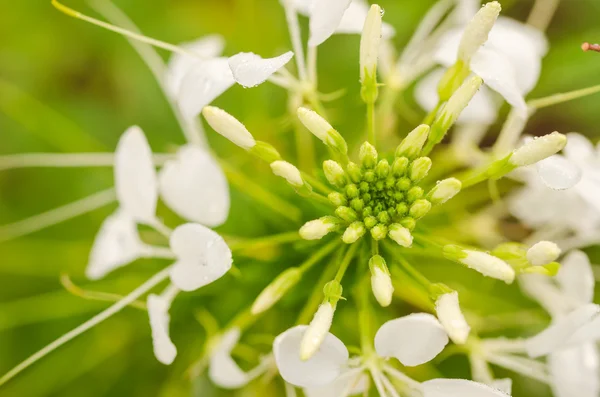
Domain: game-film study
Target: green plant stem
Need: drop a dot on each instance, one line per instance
(431, 115)
(320, 254)
(365, 317)
(314, 182)
(371, 123)
(562, 97)
(276, 239)
(346, 261)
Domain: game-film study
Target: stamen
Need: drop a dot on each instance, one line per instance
(157, 43)
(590, 47)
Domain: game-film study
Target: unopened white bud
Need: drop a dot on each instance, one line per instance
(451, 317)
(320, 128)
(369, 43)
(381, 284)
(542, 253)
(538, 149)
(400, 235)
(316, 331)
(444, 191)
(274, 291)
(484, 263)
(229, 127)
(477, 31)
(353, 232)
(334, 173)
(287, 171)
(318, 228)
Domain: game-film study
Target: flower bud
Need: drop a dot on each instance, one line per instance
(538, 149)
(316, 229)
(419, 169)
(400, 235)
(477, 31)
(444, 190)
(354, 172)
(412, 145)
(451, 317)
(381, 282)
(382, 169)
(369, 52)
(265, 152)
(379, 231)
(453, 108)
(316, 331)
(408, 223)
(415, 192)
(287, 171)
(399, 166)
(337, 199)
(419, 208)
(346, 213)
(275, 290)
(543, 253)
(484, 263)
(229, 127)
(322, 129)
(334, 173)
(353, 232)
(367, 155)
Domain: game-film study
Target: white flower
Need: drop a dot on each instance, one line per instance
(202, 256)
(577, 171)
(320, 370)
(250, 70)
(509, 63)
(414, 339)
(459, 388)
(135, 176)
(116, 244)
(158, 311)
(194, 186)
(450, 315)
(349, 383)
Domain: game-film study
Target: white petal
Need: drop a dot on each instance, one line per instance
(194, 186)
(576, 277)
(414, 339)
(251, 70)
(558, 173)
(589, 332)
(116, 244)
(349, 383)
(458, 388)
(203, 256)
(481, 110)
(504, 385)
(325, 17)
(558, 333)
(223, 370)
(321, 369)
(300, 6)
(353, 20)
(579, 148)
(575, 371)
(135, 176)
(500, 75)
(206, 47)
(158, 311)
(203, 83)
(546, 293)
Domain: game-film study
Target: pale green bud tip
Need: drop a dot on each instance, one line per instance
(444, 191)
(369, 43)
(484, 263)
(451, 317)
(316, 331)
(460, 99)
(412, 145)
(318, 228)
(420, 168)
(265, 151)
(353, 232)
(379, 231)
(287, 171)
(229, 127)
(477, 31)
(274, 291)
(322, 129)
(334, 173)
(367, 155)
(543, 253)
(419, 208)
(538, 149)
(400, 235)
(333, 291)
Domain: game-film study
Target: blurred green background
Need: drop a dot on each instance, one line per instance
(67, 86)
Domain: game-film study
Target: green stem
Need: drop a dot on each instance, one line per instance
(346, 262)
(414, 273)
(371, 122)
(562, 97)
(276, 239)
(320, 254)
(316, 183)
(431, 115)
(365, 317)
(321, 199)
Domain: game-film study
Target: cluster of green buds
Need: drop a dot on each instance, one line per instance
(379, 196)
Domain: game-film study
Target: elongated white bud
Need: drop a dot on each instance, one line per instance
(318, 228)
(477, 31)
(412, 145)
(538, 149)
(229, 127)
(316, 331)
(484, 263)
(287, 171)
(542, 253)
(334, 173)
(400, 235)
(451, 317)
(381, 282)
(444, 191)
(369, 43)
(353, 232)
(274, 291)
(322, 129)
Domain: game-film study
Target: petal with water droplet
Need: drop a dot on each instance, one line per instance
(250, 70)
